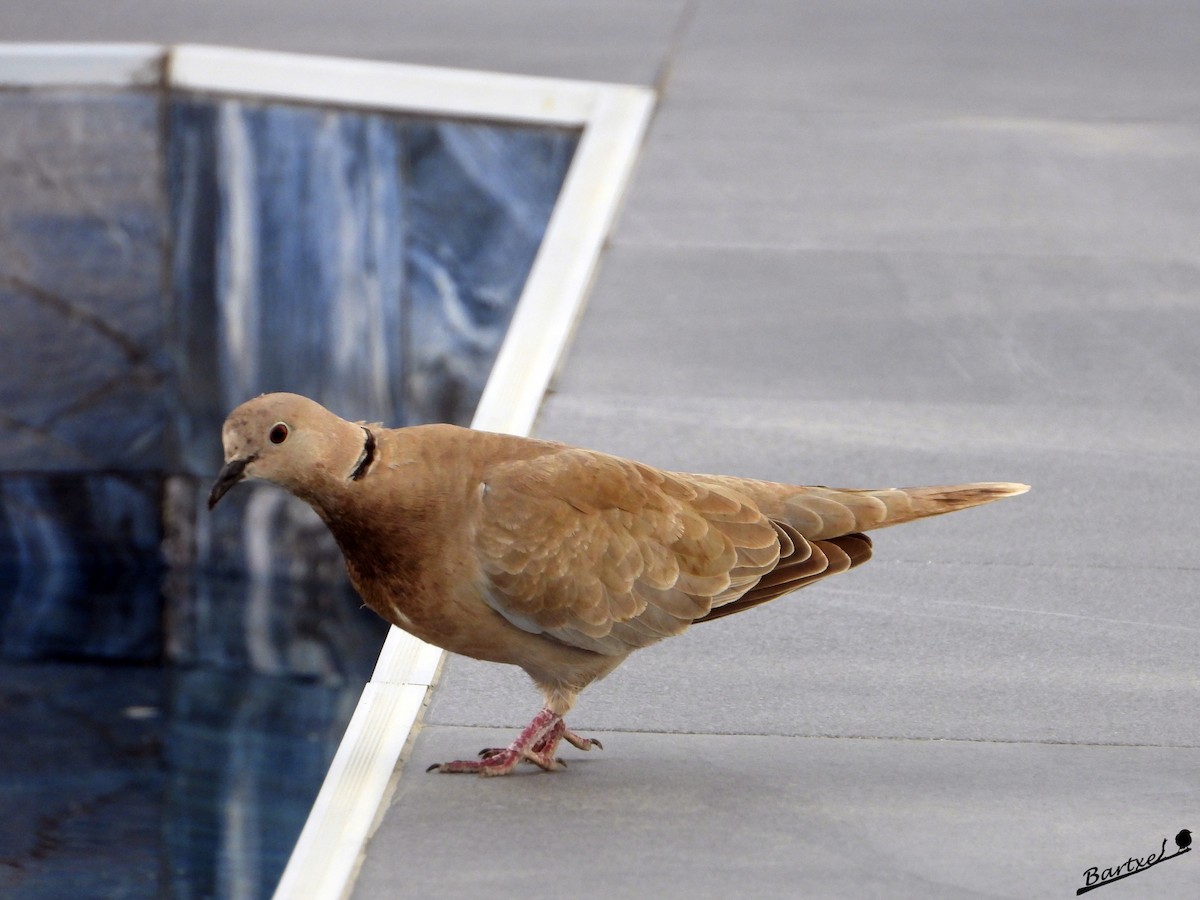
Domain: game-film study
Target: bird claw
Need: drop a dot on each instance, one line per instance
(582, 743)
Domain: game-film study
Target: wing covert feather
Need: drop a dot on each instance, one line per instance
(610, 555)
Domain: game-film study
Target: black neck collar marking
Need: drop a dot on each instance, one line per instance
(366, 458)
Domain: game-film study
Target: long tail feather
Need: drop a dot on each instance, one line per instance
(906, 504)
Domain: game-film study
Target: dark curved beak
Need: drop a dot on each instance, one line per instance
(231, 473)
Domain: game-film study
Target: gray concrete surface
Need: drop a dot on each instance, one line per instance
(868, 244)
(614, 40)
(715, 816)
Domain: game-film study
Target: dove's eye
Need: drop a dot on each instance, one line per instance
(279, 433)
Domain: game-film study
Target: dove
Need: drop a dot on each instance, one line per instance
(553, 558)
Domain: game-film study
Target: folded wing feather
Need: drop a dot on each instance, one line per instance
(610, 555)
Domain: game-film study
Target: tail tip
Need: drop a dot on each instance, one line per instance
(1006, 488)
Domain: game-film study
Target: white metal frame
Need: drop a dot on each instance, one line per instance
(613, 119)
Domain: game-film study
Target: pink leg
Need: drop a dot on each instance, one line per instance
(547, 745)
(501, 762)
(536, 744)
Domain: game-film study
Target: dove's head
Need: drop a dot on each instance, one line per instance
(293, 442)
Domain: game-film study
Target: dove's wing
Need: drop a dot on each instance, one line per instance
(609, 555)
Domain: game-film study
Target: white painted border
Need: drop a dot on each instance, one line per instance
(89, 65)
(390, 86)
(613, 120)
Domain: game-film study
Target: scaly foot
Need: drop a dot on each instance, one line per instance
(536, 744)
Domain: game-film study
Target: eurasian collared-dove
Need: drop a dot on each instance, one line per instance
(559, 560)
